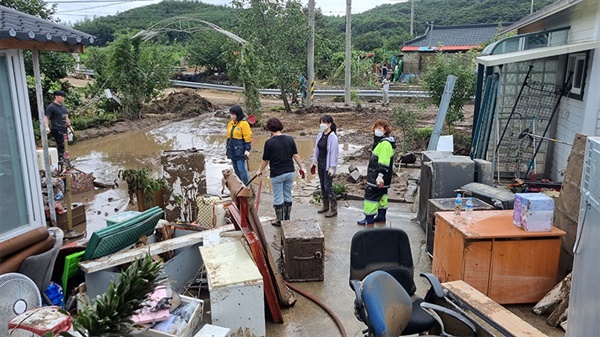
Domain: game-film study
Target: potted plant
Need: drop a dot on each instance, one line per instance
(148, 191)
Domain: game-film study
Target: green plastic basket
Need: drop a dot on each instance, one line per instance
(71, 267)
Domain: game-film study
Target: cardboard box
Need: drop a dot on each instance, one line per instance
(190, 329)
(534, 212)
(77, 213)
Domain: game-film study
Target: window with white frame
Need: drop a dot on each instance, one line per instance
(21, 207)
(576, 70)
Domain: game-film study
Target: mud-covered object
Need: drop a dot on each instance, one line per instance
(303, 250)
(80, 181)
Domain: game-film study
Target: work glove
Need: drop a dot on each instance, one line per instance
(258, 173)
(379, 180)
(246, 154)
(47, 130)
(302, 174)
(313, 169)
(331, 172)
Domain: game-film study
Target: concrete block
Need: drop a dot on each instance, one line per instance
(355, 176)
(484, 172)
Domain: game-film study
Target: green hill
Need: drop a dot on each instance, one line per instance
(385, 26)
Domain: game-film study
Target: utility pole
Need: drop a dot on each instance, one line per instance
(412, 17)
(310, 67)
(531, 11)
(348, 64)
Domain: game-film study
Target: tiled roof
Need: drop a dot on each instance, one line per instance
(21, 26)
(461, 37)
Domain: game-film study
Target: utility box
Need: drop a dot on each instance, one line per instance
(236, 289)
(303, 250)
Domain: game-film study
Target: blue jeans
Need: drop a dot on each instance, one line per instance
(239, 166)
(282, 188)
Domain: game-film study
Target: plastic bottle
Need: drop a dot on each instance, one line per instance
(458, 205)
(469, 209)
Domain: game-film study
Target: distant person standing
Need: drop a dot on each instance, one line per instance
(302, 87)
(385, 89)
(384, 71)
(57, 120)
(239, 142)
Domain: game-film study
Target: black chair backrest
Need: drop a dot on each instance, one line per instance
(380, 249)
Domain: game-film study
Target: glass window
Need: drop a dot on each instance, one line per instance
(20, 203)
(576, 69)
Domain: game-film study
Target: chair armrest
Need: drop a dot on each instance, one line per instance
(359, 305)
(436, 292)
(432, 310)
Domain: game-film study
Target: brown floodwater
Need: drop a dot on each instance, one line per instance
(105, 156)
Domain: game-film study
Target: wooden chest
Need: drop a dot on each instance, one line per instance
(303, 250)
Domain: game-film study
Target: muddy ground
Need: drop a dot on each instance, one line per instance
(353, 126)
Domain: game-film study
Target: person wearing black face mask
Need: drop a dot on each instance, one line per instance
(379, 174)
(325, 159)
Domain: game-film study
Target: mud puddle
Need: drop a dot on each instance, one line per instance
(105, 156)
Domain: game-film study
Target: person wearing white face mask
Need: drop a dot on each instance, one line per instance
(379, 174)
(325, 160)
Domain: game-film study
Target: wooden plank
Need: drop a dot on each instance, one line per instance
(13, 43)
(523, 271)
(485, 306)
(119, 258)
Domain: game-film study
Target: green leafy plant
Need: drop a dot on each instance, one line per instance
(111, 313)
(356, 99)
(339, 188)
(407, 121)
(139, 180)
(460, 65)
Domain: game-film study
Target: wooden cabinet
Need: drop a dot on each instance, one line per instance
(504, 262)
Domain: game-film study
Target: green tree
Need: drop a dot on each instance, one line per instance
(209, 49)
(278, 31)
(32, 7)
(134, 71)
(460, 65)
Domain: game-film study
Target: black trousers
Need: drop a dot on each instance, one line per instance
(59, 138)
(326, 182)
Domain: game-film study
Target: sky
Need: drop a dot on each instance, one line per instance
(71, 11)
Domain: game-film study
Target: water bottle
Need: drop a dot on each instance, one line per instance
(458, 205)
(469, 209)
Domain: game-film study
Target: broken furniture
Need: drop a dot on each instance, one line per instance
(77, 214)
(109, 240)
(500, 199)
(382, 304)
(446, 204)
(491, 318)
(441, 174)
(39, 267)
(388, 249)
(189, 329)
(491, 254)
(303, 250)
(236, 289)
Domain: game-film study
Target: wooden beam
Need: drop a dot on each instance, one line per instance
(484, 305)
(13, 43)
(130, 255)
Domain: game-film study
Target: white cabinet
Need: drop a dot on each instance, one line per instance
(236, 289)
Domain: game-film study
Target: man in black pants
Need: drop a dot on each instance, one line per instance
(56, 116)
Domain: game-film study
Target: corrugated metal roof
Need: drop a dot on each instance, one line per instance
(23, 27)
(449, 36)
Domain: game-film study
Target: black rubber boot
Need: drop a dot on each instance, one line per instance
(380, 215)
(287, 210)
(367, 221)
(325, 207)
(332, 209)
(278, 214)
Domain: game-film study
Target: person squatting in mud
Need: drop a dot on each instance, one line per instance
(379, 174)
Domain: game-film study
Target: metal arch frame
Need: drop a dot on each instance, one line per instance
(165, 26)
